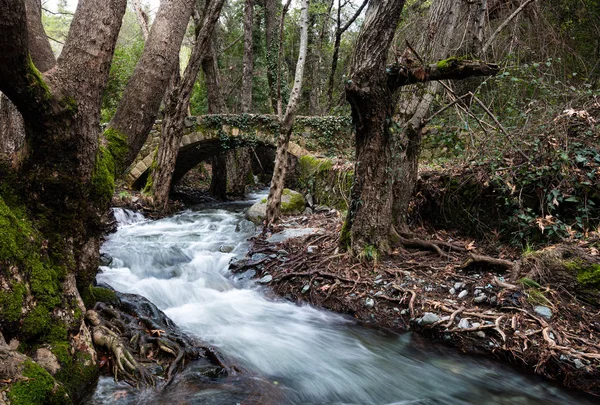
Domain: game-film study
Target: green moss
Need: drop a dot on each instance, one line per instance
(36, 81)
(11, 302)
(449, 63)
(118, 148)
(76, 371)
(93, 294)
(103, 177)
(346, 235)
(263, 201)
(295, 205)
(71, 104)
(311, 165)
(38, 388)
(589, 276)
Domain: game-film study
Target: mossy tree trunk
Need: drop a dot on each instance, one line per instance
(50, 206)
(372, 91)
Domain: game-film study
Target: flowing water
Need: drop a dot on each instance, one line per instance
(310, 356)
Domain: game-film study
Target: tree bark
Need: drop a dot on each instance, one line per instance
(367, 91)
(12, 130)
(56, 196)
(286, 124)
(271, 35)
(141, 99)
(176, 108)
(248, 61)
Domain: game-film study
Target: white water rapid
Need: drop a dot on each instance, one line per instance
(312, 356)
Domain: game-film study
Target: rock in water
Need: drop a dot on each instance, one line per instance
(245, 226)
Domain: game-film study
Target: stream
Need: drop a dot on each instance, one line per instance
(306, 355)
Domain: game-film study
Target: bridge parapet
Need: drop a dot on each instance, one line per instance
(207, 135)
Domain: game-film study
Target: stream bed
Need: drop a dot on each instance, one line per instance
(305, 355)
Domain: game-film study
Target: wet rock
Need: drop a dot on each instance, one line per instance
(369, 303)
(463, 294)
(464, 324)
(245, 226)
(266, 279)
(257, 213)
(105, 260)
(428, 318)
(543, 311)
(257, 257)
(226, 249)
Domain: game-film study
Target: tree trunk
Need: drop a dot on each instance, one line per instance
(12, 130)
(218, 181)
(368, 220)
(50, 207)
(286, 124)
(141, 99)
(271, 35)
(159, 180)
(248, 57)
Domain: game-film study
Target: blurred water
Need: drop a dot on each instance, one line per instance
(313, 356)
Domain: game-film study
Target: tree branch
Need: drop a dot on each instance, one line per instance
(503, 25)
(354, 17)
(449, 69)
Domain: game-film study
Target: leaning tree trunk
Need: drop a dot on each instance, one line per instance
(139, 106)
(271, 36)
(286, 124)
(50, 207)
(159, 179)
(248, 62)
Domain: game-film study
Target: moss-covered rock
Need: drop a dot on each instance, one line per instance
(92, 294)
(292, 202)
(38, 387)
(329, 184)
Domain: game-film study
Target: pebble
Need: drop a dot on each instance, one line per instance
(428, 319)
(378, 281)
(396, 309)
(543, 311)
(479, 299)
(378, 277)
(282, 252)
(458, 285)
(493, 300)
(452, 291)
(404, 312)
(463, 294)
(464, 324)
(305, 288)
(311, 249)
(480, 334)
(266, 279)
(369, 303)
(578, 364)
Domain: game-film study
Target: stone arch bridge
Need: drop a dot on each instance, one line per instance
(208, 135)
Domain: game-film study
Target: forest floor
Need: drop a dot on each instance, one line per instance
(447, 289)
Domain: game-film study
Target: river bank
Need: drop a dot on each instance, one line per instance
(447, 291)
(293, 353)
